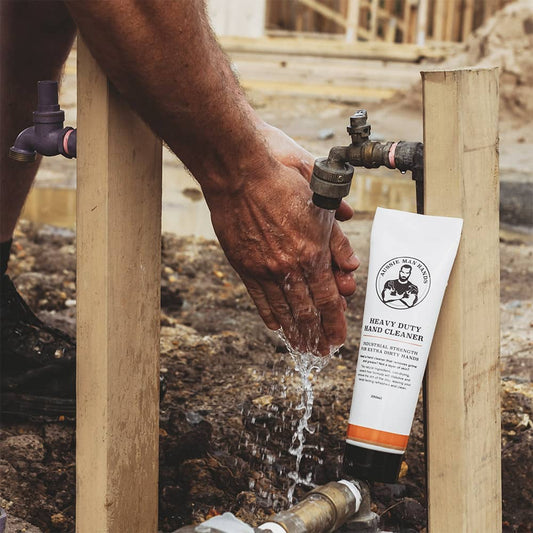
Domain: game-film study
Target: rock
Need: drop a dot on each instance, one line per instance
(58, 437)
(325, 134)
(27, 448)
(263, 401)
(17, 525)
(59, 521)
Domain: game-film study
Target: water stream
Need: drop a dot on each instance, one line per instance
(307, 359)
(304, 364)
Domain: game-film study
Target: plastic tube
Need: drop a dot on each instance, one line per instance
(411, 257)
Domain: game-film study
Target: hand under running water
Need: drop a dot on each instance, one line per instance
(291, 154)
(292, 256)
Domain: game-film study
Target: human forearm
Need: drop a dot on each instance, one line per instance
(163, 58)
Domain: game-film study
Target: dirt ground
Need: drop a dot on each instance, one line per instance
(230, 411)
(229, 414)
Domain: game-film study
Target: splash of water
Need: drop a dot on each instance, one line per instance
(304, 364)
(306, 361)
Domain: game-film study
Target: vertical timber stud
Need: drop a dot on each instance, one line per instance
(118, 236)
(352, 21)
(463, 376)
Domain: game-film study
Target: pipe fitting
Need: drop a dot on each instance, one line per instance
(332, 176)
(330, 182)
(323, 510)
(47, 136)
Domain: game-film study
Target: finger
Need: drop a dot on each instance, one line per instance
(341, 250)
(328, 302)
(307, 324)
(280, 309)
(344, 212)
(261, 302)
(344, 303)
(345, 282)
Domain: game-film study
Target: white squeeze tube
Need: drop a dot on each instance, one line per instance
(411, 257)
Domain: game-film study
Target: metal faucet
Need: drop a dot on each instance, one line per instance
(332, 175)
(47, 136)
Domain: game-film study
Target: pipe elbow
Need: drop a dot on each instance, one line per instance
(337, 157)
(23, 149)
(51, 141)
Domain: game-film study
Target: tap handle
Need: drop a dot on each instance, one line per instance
(47, 98)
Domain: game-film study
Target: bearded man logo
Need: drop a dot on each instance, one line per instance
(408, 287)
(401, 290)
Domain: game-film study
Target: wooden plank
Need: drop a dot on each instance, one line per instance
(390, 29)
(406, 22)
(118, 254)
(325, 11)
(463, 379)
(336, 48)
(237, 17)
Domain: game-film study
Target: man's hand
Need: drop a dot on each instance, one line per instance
(290, 154)
(284, 248)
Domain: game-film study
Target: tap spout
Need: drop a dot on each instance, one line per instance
(47, 136)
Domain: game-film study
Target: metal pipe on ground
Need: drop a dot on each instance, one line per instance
(342, 506)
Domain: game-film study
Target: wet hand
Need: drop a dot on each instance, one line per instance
(292, 257)
(290, 154)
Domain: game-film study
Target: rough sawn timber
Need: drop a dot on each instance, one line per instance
(463, 375)
(118, 280)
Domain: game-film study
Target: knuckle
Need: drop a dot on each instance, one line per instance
(307, 315)
(311, 258)
(279, 267)
(345, 245)
(327, 299)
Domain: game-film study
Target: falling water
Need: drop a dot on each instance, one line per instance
(304, 364)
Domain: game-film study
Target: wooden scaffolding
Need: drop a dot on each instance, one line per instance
(400, 21)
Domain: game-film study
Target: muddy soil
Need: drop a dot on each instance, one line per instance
(228, 418)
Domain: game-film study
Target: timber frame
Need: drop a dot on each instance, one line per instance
(118, 222)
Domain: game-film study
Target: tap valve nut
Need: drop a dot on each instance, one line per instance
(329, 184)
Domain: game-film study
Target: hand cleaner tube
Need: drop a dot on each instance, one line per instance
(411, 257)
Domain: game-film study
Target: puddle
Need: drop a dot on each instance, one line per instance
(384, 188)
(185, 212)
(49, 205)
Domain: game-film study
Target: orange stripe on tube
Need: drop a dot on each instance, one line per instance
(377, 437)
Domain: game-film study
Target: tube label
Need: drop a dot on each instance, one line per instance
(410, 260)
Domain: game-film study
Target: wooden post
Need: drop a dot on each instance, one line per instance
(373, 19)
(468, 19)
(451, 15)
(438, 20)
(406, 21)
(463, 376)
(118, 254)
(352, 21)
(421, 22)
